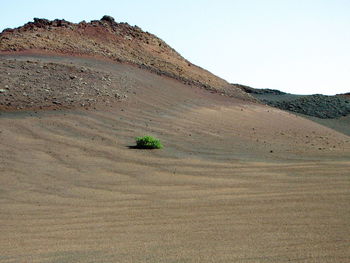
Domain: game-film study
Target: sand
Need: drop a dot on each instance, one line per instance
(236, 181)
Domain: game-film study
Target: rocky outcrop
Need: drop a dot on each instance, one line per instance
(251, 90)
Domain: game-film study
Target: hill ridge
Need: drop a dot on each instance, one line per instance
(119, 42)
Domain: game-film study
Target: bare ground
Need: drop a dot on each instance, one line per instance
(35, 85)
(106, 39)
(236, 181)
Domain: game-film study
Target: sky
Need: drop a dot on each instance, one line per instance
(297, 46)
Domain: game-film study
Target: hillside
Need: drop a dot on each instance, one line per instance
(236, 181)
(241, 178)
(118, 42)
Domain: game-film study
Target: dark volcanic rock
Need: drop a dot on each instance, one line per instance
(259, 91)
(41, 22)
(108, 19)
(321, 106)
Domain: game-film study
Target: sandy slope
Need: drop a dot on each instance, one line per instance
(71, 190)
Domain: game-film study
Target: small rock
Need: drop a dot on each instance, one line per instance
(108, 19)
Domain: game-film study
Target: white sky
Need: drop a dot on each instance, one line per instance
(298, 46)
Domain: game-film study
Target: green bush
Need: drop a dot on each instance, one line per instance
(148, 142)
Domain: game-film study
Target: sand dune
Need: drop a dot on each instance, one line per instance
(236, 181)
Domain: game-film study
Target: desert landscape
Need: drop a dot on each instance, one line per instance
(236, 181)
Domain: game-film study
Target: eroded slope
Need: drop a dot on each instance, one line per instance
(116, 41)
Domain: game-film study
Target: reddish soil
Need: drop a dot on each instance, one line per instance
(115, 41)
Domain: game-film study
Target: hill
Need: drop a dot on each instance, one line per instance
(236, 181)
(118, 42)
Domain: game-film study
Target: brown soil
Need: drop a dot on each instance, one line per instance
(236, 181)
(38, 85)
(346, 95)
(115, 41)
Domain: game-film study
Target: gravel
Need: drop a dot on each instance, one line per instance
(38, 85)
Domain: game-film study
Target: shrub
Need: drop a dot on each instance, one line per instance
(148, 142)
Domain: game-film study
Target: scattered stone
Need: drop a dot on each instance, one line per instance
(48, 85)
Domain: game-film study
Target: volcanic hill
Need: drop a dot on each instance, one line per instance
(236, 181)
(113, 41)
